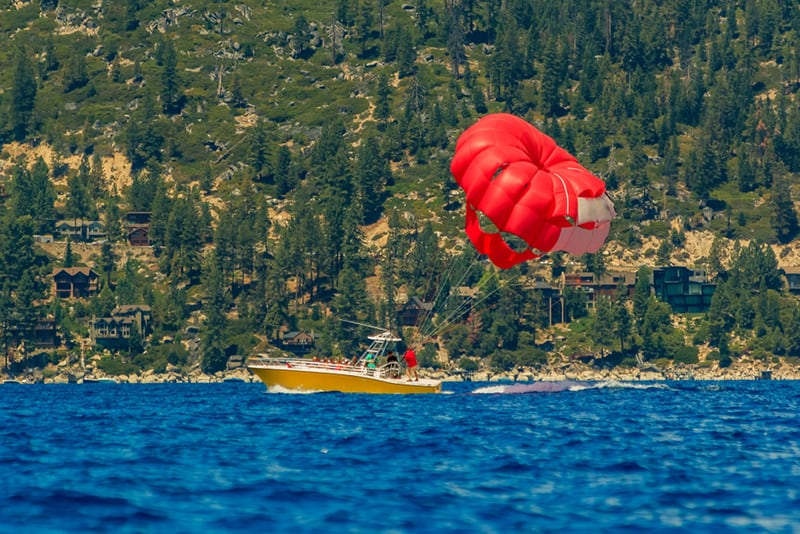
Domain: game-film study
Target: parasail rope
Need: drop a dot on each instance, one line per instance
(466, 305)
(427, 320)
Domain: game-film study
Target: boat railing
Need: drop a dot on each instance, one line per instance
(389, 370)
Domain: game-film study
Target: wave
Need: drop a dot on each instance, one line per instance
(557, 386)
(284, 391)
(619, 384)
(535, 387)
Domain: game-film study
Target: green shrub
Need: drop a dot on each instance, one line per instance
(468, 364)
(113, 365)
(701, 335)
(529, 357)
(659, 229)
(502, 360)
(687, 354)
(158, 356)
(427, 357)
(662, 363)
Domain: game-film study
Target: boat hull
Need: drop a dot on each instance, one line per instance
(310, 379)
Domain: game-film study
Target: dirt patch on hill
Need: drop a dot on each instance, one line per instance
(89, 253)
(116, 167)
(694, 253)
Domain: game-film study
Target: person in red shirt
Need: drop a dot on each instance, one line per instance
(411, 364)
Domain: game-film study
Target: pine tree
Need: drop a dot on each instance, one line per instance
(107, 261)
(143, 137)
(160, 208)
(113, 222)
(76, 75)
(784, 216)
(44, 197)
(260, 152)
(602, 323)
(621, 320)
(550, 99)
(382, 97)
(363, 24)
(23, 95)
(25, 312)
(214, 307)
(285, 179)
(371, 176)
(454, 31)
(79, 205)
(406, 52)
(69, 255)
(17, 254)
(170, 82)
(351, 300)
(51, 59)
(128, 288)
(641, 295)
(102, 304)
(275, 302)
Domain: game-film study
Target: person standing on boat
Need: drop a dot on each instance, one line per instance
(411, 364)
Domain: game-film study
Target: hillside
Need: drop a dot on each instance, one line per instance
(295, 159)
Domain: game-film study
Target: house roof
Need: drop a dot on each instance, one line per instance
(72, 271)
(614, 278)
(288, 336)
(417, 303)
(113, 320)
(130, 308)
(541, 285)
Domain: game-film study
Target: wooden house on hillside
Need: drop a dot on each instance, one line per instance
(80, 230)
(44, 333)
(138, 228)
(413, 311)
(609, 285)
(115, 330)
(137, 217)
(75, 282)
(792, 275)
(139, 236)
(614, 284)
(299, 343)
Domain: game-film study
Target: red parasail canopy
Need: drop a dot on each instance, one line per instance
(530, 189)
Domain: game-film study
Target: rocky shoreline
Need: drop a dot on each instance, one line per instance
(575, 370)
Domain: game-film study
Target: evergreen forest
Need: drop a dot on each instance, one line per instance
(293, 161)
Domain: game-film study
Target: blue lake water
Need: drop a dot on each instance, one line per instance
(231, 457)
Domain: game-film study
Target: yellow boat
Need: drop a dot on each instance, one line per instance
(370, 373)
